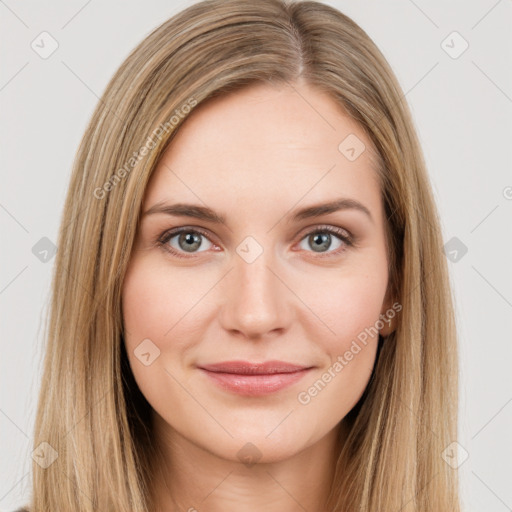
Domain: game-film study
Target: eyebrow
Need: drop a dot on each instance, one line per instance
(207, 214)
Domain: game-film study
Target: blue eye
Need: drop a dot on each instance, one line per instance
(191, 241)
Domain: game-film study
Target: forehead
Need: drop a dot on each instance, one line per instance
(264, 143)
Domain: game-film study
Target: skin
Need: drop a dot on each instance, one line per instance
(255, 156)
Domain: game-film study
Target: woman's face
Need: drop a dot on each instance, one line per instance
(246, 330)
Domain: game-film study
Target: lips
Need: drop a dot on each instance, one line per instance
(253, 379)
(246, 368)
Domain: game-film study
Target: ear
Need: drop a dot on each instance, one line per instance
(387, 316)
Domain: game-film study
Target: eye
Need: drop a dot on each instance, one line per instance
(184, 240)
(321, 240)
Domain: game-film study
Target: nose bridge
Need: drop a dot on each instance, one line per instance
(256, 301)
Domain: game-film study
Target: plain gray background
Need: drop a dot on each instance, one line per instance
(461, 103)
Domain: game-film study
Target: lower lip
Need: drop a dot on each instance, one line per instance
(255, 385)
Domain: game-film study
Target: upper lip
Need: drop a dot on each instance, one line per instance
(248, 368)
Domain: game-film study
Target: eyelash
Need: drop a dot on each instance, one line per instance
(347, 240)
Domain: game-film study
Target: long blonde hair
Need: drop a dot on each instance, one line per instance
(90, 410)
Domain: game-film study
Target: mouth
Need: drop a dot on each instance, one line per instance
(254, 379)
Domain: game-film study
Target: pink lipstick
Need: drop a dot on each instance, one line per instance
(254, 379)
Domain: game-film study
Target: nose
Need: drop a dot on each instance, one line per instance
(257, 303)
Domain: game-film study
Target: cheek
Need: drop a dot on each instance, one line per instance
(155, 308)
(156, 303)
(351, 309)
(348, 305)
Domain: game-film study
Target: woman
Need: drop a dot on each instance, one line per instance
(251, 308)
